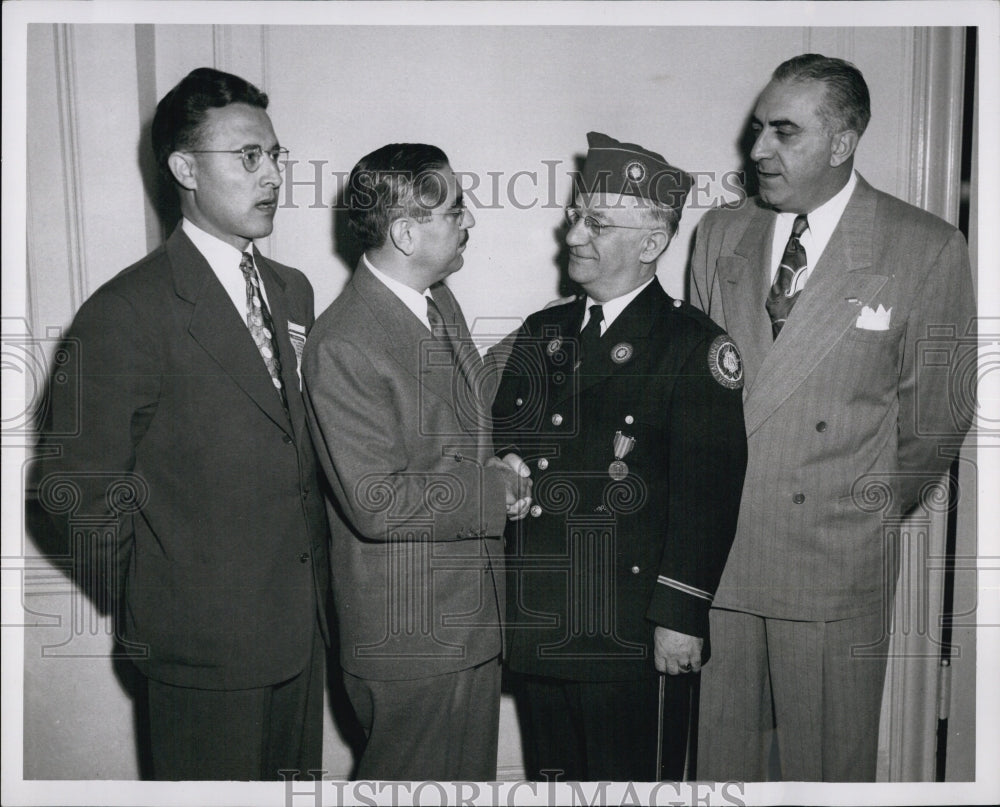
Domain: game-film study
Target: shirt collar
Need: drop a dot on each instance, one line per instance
(222, 257)
(414, 300)
(612, 308)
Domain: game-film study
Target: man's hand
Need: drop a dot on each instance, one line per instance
(517, 484)
(675, 652)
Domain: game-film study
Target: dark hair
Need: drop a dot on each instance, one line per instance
(400, 179)
(846, 104)
(180, 114)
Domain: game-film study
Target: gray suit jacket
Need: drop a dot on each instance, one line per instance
(403, 436)
(845, 424)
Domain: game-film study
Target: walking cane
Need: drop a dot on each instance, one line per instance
(690, 744)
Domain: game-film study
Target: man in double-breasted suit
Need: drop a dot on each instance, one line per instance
(187, 453)
(626, 406)
(418, 504)
(831, 290)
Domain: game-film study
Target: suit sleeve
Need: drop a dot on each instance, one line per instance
(102, 396)
(703, 277)
(384, 483)
(937, 395)
(707, 463)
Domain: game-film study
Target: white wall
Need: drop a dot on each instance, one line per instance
(500, 100)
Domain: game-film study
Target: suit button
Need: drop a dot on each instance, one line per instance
(798, 498)
(458, 457)
(821, 426)
(635, 570)
(305, 493)
(304, 557)
(543, 464)
(536, 510)
(287, 439)
(557, 419)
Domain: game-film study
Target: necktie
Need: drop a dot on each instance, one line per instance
(590, 336)
(260, 324)
(438, 328)
(790, 278)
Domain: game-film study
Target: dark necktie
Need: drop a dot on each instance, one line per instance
(789, 281)
(438, 328)
(590, 336)
(260, 325)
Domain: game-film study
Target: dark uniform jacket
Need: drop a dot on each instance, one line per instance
(602, 560)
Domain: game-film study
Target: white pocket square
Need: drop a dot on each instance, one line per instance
(297, 336)
(877, 320)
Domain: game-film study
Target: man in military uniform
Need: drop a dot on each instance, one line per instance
(626, 406)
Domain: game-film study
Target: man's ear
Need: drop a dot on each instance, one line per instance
(403, 235)
(653, 245)
(184, 170)
(843, 146)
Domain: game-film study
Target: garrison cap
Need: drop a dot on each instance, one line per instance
(631, 170)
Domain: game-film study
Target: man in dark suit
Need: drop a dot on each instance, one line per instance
(194, 457)
(419, 504)
(829, 288)
(626, 406)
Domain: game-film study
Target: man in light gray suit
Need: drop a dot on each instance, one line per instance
(829, 288)
(419, 503)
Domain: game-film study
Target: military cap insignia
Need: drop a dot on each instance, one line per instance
(725, 362)
(622, 352)
(635, 171)
(553, 346)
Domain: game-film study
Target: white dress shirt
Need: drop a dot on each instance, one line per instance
(415, 300)
(822, 222)
(225, 262)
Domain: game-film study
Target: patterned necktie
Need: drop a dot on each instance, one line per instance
(590, 336)
(790, 278)
(260, 325)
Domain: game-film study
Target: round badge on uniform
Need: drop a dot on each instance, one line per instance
(553, 346)
(622, 352)
(725, 362)
(634, 171)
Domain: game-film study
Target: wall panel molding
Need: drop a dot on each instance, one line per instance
(66, 85)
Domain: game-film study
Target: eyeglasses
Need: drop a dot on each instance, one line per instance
(252, 156)
(457, 212)
(594, 227)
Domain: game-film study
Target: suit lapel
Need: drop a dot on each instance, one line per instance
(275, 288)
(407, 340)
(216, 325)
(745, 286)
(829, 305)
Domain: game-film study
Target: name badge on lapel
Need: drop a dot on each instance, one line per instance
(297, 335)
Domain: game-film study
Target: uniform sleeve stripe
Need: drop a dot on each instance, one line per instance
(677, 584)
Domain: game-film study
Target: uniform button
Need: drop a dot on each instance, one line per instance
(635, 570)
(798, 498)
(677, 303)
(557, 419)
(304, 557)
(458, 457)
(536, 510)
(543, 463)
(821, 426)
(519, 402)
(287, 439)
(629, 419)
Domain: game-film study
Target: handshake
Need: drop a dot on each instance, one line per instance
(517, 484)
